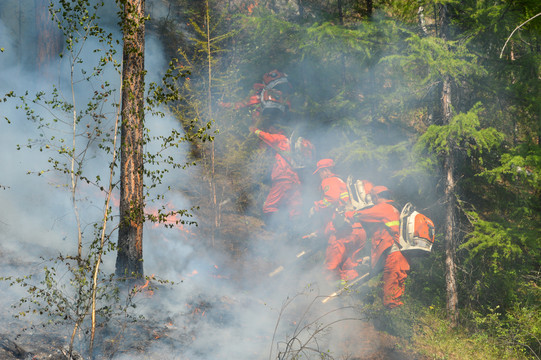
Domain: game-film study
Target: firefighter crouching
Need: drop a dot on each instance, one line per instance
(342, 255)
(384, 219)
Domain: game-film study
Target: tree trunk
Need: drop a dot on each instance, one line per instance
(301, 9)
(49, 38)
(129, 262)
(369, 8)
(450, 199)
(214, 201)
(450, 244)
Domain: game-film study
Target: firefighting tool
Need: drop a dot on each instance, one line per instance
(280, 268)
(303, 254)
(358, 282)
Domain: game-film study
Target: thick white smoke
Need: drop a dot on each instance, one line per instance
(37, 220)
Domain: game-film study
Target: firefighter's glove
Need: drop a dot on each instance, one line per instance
(364, 265)
(350, 216)
(339, 221)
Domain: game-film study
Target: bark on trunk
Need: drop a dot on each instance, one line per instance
(49, 38)
(369, 8)
(450, 244)
(450, 199)
(301, 9)
(214, 201)
(129, 262)
(340, 12)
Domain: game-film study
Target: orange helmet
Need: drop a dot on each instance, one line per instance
(324, 163)
(273, 75)
(381, 192)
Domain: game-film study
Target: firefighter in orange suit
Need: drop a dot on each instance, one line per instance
(384, 219)
(342, 254)
(285, 192)
(269, 99)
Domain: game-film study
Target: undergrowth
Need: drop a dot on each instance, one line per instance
(435, 338)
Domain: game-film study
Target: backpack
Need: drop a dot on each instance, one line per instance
(302, 152)
(275, 94)
(417, 231)
(359, 195)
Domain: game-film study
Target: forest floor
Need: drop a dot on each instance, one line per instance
(29, 338)
(45, 343)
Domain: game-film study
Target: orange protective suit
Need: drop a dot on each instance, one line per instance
(272, 94)
(343, 251)
(285, 191)
(344, 244)
(385, 219)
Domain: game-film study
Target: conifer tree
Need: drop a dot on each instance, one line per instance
(130, 235)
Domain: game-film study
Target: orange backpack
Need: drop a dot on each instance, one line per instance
(275, 93)
(417, 232)
(359, 193)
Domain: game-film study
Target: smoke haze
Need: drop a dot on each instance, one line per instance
(241, 303)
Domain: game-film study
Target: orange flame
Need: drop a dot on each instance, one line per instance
(194, 272)
(251, 7)
(148, 292)
(173, 220)
(146, 285)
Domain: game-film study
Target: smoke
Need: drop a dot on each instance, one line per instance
(248, 313)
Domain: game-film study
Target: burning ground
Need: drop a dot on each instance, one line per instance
(219, 309)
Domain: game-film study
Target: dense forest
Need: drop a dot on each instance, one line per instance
(439, 101)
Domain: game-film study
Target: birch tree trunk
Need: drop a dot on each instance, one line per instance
(450, 199)
(129, 262)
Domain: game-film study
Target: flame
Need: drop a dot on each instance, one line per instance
(197, 311)
(146, 284)
(115, 200)
(173, 220)
(220, 276)
(145, 288)
(194, 272)
(251, 7)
